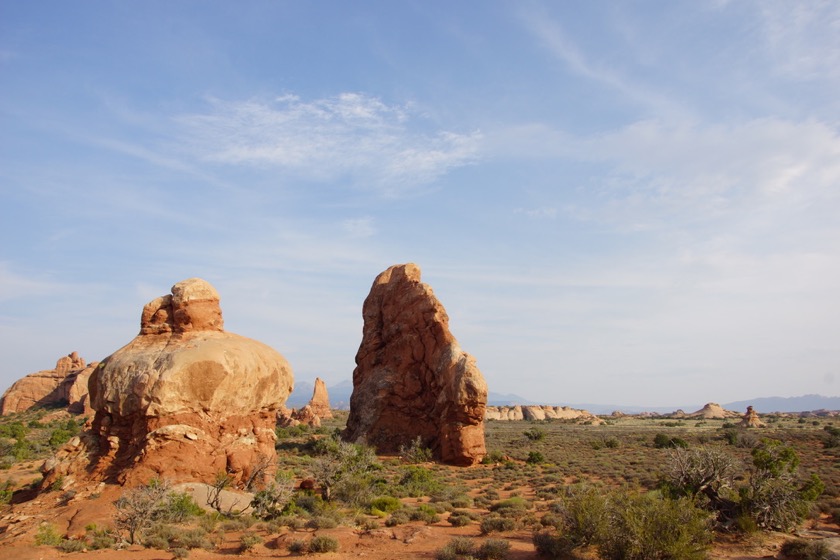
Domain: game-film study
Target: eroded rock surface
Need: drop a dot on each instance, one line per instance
(184, 400)
(411, 377)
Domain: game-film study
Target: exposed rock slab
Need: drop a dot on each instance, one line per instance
(411, 377)
(185, 400)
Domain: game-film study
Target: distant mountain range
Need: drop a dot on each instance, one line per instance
(340, 398)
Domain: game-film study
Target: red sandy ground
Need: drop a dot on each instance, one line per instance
(19, 523)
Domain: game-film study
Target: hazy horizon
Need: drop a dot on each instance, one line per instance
(636, 201)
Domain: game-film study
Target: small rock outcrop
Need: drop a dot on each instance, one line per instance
(411, 378)
(320, 401)
(751, 419)
(64, 385)
(184, 400)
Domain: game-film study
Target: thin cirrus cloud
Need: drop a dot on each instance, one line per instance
(350, 135)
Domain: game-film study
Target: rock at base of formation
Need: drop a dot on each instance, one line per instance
(751, 419)
(411, 378)
(184, 400)
(66, 385)
(540, 412)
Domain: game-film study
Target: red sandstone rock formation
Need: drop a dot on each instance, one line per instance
(66, 384)
(320, 401)
(712, 411)
(751, 419)
(412, 379)
(184, 400)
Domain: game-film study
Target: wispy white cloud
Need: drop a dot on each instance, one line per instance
(537, 213)
(359, 227)
(554, 38)
(350, 135)
(677, 170)
(802, 37)
(15, 286)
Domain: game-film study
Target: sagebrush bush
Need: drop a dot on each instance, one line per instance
(495, 523)
(493, 549)
(323, 543)
(800, 549)
(249, 540)
(643, 528)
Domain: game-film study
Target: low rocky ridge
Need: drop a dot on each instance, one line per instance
(184, 400)
(411, 378)
(540, 412)
(66, 385)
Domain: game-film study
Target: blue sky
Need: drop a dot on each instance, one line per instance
(632, 203)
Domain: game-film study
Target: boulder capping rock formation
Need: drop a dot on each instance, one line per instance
(184, 400)
(412, 379)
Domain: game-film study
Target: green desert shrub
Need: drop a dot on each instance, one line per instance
(386, 504)
(663, 441)
(47, 535)
(419, 481)
(534, 434)
(644, 527)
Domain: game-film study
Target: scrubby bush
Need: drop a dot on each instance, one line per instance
(424, 513)
(416, 452)
(457, 549)
(534, 434)
(385, 504)
(419, 481)
(663, 441)
(298, 546)
(248, 540)
(323, 543)
(397, 518)
(47, 535)
(625, 526)
(535, 458)
(270, 502)
(800, 549)
(493, 549)
(496, 523)
(773, 496)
